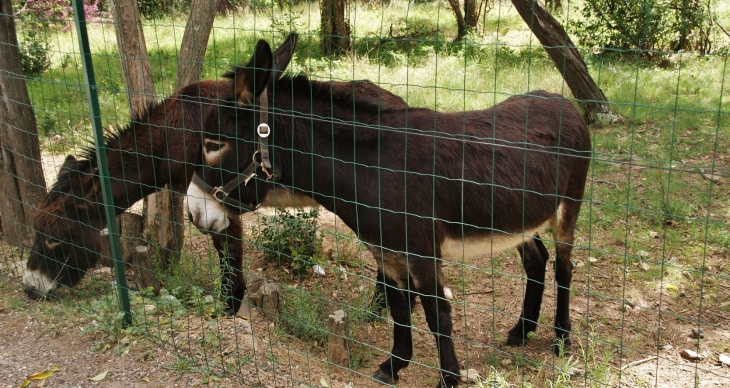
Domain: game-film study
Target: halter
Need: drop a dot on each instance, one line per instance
(221, 193)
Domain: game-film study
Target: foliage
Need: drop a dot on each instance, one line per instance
(52, 14)
(649, 26)
(157, 9)
(35, 57)
(291, 239)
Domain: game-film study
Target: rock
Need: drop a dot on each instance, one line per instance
(643, 253)
(506, 362)
(697, 333)
(691, 355)
(318, 270)
(644, 267)
(592, 260)
(653, 234)
(724, 360)
(469, 375)
(149, 308)
(667, 347)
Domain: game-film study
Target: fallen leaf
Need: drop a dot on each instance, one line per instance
(324, 382)
(99, 377)
(145, 379)
(25, 383)
(653, 234)
(671, 287)
(43, 375)
(2, 306)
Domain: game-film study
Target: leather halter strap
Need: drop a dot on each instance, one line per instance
(221, 193)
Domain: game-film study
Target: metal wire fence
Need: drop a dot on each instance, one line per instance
(327, 293)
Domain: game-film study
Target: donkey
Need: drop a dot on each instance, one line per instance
(417, 186)
(67, 241)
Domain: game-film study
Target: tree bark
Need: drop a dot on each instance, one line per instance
(471, 10)
(164, 213)
(565, 56)
(335, 28)
(460, 21)
(133, 54)
(195, 42)
(22, 184)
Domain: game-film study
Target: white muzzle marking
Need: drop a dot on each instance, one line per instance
(208, 215)
(37, 281)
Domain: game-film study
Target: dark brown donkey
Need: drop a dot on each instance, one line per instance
(418, 186)
(160, 147)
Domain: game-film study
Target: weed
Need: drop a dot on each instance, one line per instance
(291, 240)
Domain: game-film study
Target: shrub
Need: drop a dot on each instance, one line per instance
(291, 239)
(649, 26)
(34, 55)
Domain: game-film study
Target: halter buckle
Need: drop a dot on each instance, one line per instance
(263, 130)
(219, 194)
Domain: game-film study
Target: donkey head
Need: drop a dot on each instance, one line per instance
(67, 239)
(236, 166)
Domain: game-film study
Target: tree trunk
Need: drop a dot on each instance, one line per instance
(460, 21)
(22, 184)
(471, 10)
(133, 54)
(565, 56)
(335, 28)
(164, 215)
(195, 42)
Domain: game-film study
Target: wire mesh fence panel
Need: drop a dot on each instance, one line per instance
(354, 194)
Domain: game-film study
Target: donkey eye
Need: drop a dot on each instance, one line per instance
(211, 146)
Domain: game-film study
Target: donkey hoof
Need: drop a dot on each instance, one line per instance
(384, 378)
(516, 341)
(561, 346)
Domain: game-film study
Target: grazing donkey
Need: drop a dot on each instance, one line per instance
(416, 186)
(161, 146)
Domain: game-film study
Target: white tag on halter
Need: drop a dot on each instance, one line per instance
(263, 130)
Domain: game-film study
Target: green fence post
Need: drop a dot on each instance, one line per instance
(106, 189)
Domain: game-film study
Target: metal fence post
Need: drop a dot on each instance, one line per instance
(92, 95)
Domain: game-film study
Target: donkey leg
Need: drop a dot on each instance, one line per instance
(378, 304)
(563, 228)
(438, 316)
(534, 258)
(229, 245)
(400, 302)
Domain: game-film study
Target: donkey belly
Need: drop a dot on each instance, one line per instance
(457, 249)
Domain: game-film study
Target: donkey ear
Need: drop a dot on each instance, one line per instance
(252, 79)
(68, 165)
(283, 54)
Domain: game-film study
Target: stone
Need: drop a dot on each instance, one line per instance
(469, 375)
(691, 355)
(724, 360)
(318, 270)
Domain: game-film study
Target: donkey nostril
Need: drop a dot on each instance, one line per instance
(190, 216)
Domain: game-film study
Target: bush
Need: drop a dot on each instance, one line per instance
(649, 26)
(291, 240)
(35, 57)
